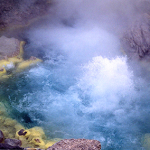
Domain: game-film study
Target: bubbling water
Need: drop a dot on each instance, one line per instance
(85, 88)
(97, 100)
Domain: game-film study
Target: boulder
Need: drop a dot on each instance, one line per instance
(12, 142)
(8, 147)
(1, 136)
(76, 144)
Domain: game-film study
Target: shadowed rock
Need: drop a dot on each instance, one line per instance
(1, 136)
(76, 144)
(8, 147)
(12, 142)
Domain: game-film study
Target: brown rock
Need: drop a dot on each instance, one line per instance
(76, 144)
(12, 142)
(9, 47)
(1, 136)
(21, 12)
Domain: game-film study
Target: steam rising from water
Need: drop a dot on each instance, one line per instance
(85, 88)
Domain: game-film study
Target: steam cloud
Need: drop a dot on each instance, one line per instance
(87, 88)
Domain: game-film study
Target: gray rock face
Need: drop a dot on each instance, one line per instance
(1, 136)
(136, 39)
(12, 142)
(76, 144)
(20, 12)
(9, 47)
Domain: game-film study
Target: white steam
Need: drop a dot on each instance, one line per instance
(85, 89)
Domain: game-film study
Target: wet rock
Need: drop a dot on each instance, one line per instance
(12, 142)
(1, 136)
(8, 147)
(76, 144)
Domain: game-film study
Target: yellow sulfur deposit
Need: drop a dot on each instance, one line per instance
(22, 43)
(36, 132)
(4, 63)
(38, 142)
(28, 63)
(23, 133)
(2, 71)
(15, 62)
(146, 141)
(50, 143)
(7, 124)
(33, 137)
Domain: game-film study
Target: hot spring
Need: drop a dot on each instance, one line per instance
(86, 87)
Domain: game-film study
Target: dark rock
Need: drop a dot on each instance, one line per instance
(8, 147)
(1, 136)
(12, 142)
(21, 132)
(76, 144)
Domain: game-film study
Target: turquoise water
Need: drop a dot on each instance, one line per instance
(97, 101)
(85, 88)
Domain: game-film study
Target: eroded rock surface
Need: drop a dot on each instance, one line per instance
(20, 12)
(136, 39)
(76, 144)
(9, 47)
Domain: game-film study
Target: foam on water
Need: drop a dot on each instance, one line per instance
(97, 100)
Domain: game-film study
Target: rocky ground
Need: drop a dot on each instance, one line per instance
(66, 144)
(15, 13)
(76, 144)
